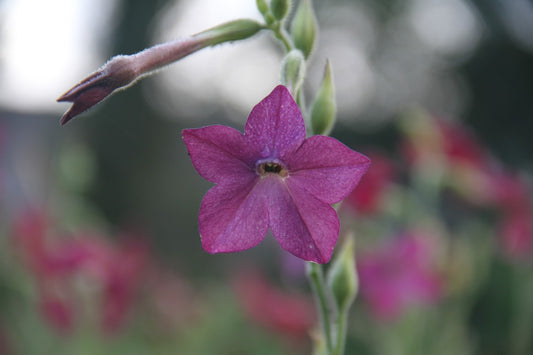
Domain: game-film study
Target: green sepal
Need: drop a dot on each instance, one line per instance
(231, 31)
(324, 108)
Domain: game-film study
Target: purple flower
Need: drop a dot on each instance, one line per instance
(272, 177)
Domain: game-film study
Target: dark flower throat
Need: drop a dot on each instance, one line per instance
(267, 168)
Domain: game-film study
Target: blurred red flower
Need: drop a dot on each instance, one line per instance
(367, 197)
(446, 140)
(288, 314)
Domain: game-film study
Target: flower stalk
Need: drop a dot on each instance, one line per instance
(316, 278)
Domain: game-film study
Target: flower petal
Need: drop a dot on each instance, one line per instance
(234, 217)
(302, 224)
(326, 168)
(219, 153)
(276, 125)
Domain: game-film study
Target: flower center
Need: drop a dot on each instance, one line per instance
(265, 168)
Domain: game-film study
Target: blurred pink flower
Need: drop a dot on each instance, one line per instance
(288, 314)
(367, 197)
(55, 262)
(272, 177)
(509, 192)
(42, 254)
(119, 269)
(398, 275)
(516, 234)
(58, 312)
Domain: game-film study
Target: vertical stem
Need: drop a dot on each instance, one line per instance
(316, 278)
(281, 34)
(341, 333)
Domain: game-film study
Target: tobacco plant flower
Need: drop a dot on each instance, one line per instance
(272, 177)
(124, 70)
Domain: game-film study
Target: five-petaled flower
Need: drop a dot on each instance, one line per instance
(272, 177)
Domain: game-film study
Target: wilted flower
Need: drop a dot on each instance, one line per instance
(398, 275)
(289, 314)
(272, 177)
(123, 70)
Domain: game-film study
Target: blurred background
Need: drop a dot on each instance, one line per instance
(99, 244)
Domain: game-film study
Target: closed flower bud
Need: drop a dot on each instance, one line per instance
(304, 28)
(324, 108)
(231, 31)
(280, 8)
(262, 6)
(342, 277)
(123, 70)
(293, 71)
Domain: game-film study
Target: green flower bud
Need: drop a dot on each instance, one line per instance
(342, 276)
(324, 108)
(269, 19)
(262, 6)
(304, 28)
(231, 31)
(293, 70)
(280, 8)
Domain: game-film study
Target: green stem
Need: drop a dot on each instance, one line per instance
(282, 35)
(341, 333)
(317, 282)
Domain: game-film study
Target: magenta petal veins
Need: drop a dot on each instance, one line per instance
(271, 177)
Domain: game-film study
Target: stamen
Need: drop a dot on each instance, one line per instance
(271, 167)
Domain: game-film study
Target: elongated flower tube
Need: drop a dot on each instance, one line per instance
(124, 70)
(272, 177)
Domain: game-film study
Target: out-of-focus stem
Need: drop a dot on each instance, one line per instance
(283, 36)
(316, 277)
(341, 333)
